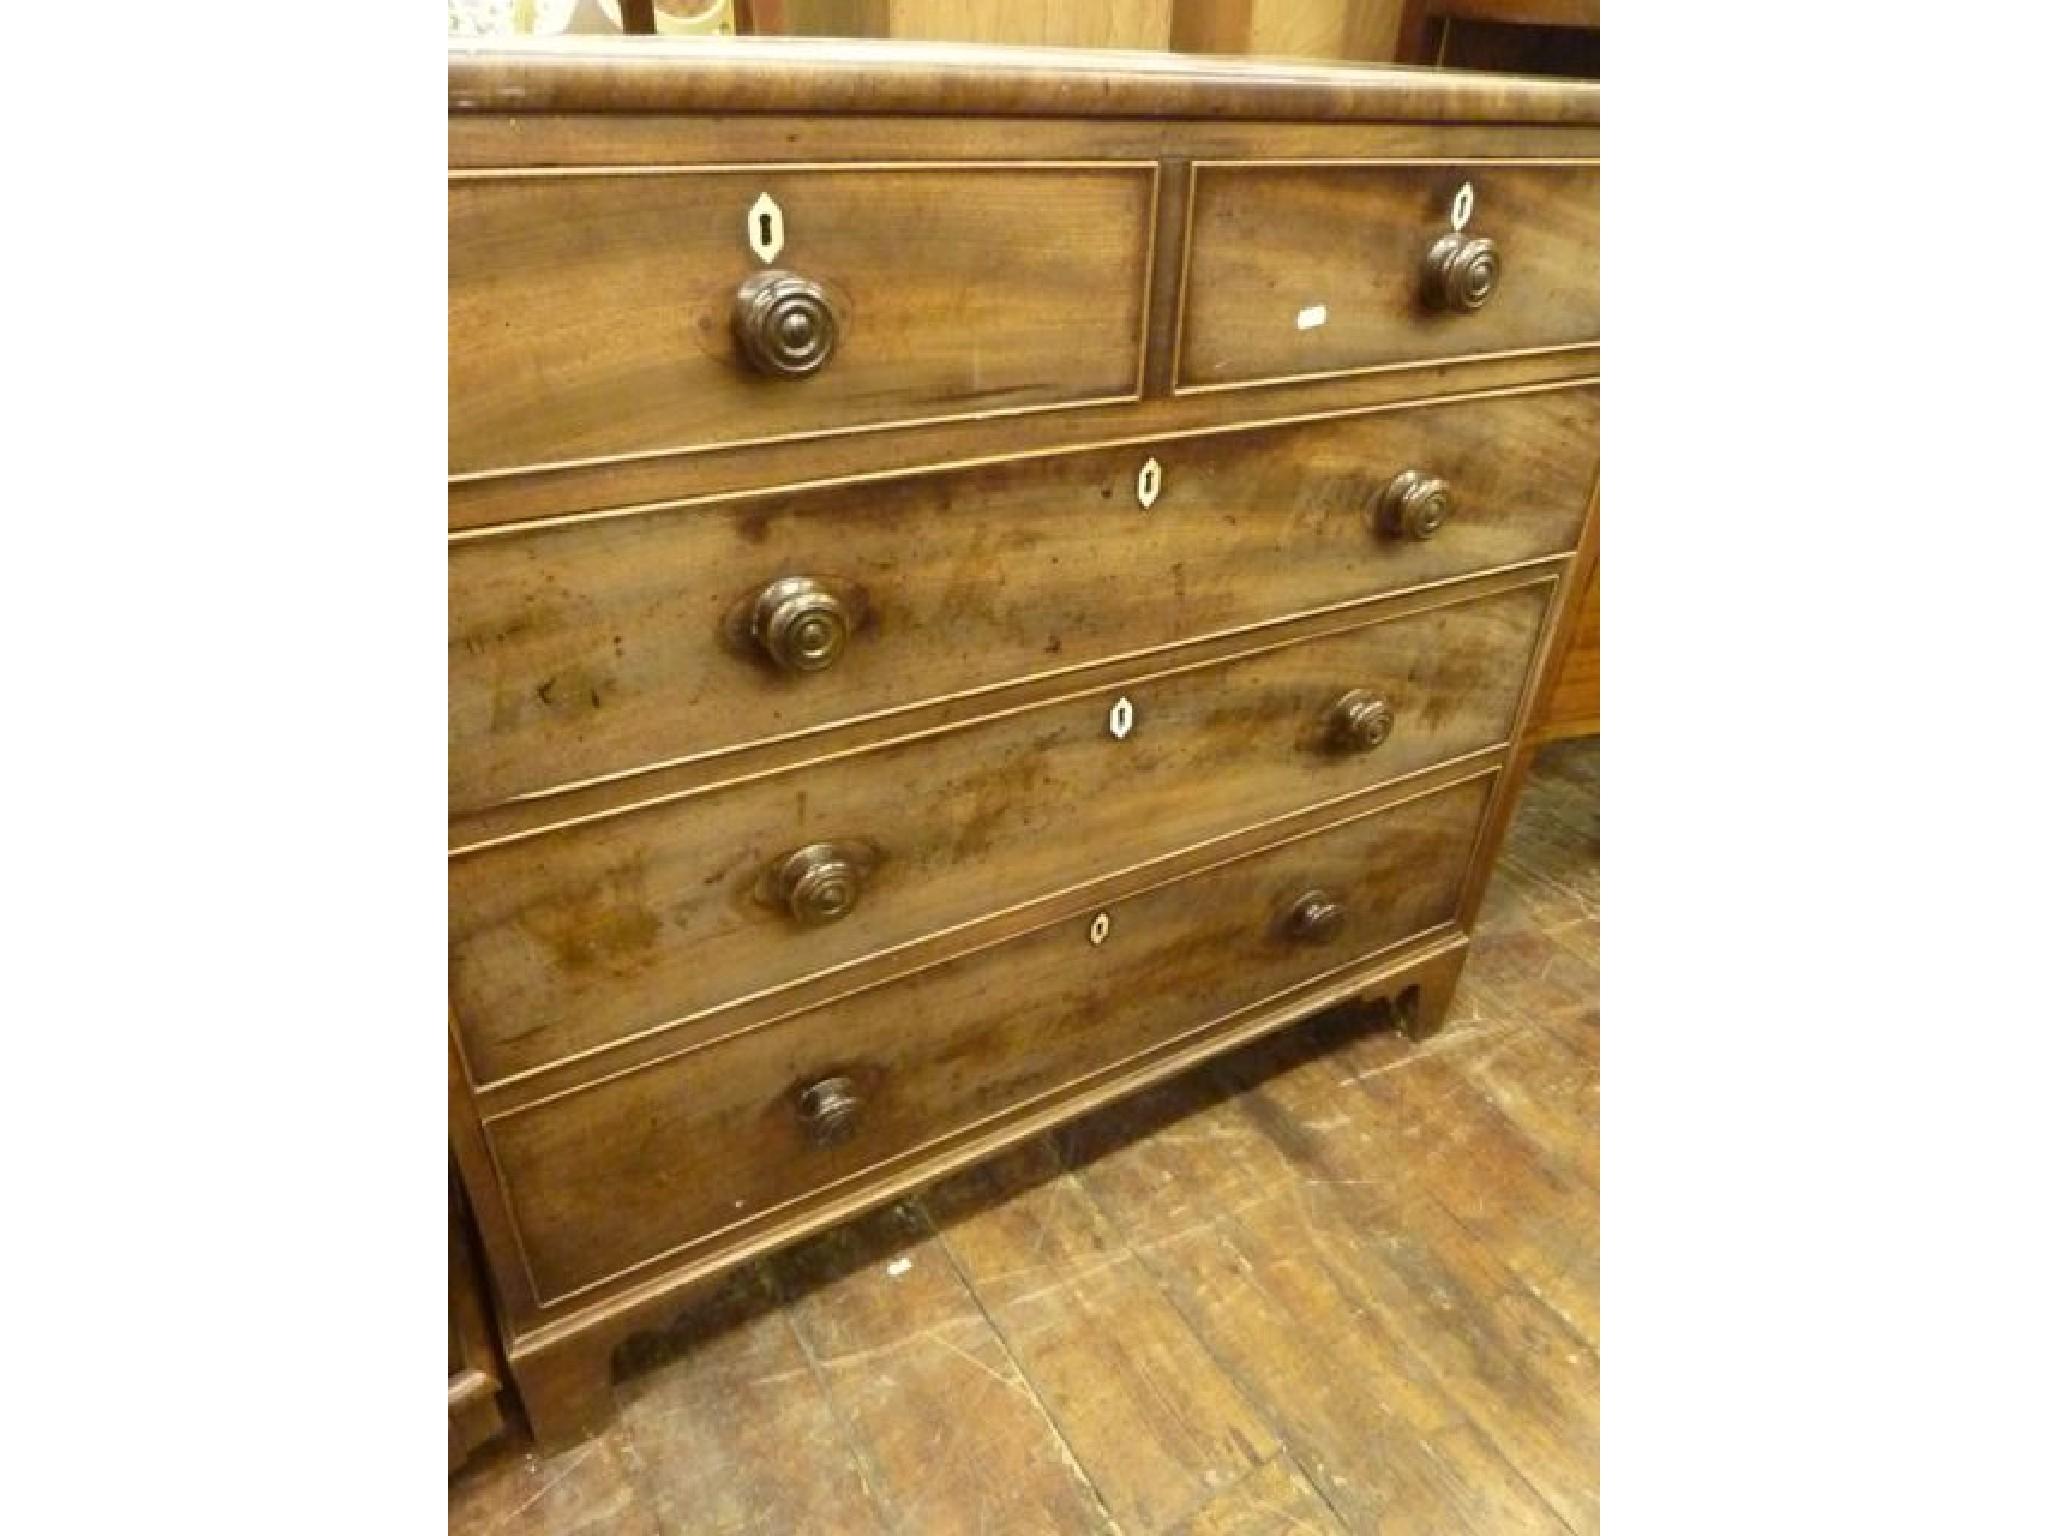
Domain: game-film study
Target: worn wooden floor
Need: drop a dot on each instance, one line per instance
(1330, 1283)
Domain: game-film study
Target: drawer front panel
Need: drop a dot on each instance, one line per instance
(1298, 271)
(659, 1158)
(603, 647)
(592, 316)
(583, 936)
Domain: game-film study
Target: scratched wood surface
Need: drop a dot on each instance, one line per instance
(1573, 708)
(929, 1058)
(1261, 259)
(590, 316)
(605, 647)
(1332, 1282)
(580, 938)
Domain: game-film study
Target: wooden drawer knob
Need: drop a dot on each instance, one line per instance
(819, 884)
(1460, 273)
(801, 624)
(1316, 917)
(1360, 721)
(828, 1110)
(1414, 505)
(784, 324)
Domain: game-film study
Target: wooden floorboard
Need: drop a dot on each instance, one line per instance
(1273, 1498)
(1143, 1405)
(952, 1435)
(1234, 1230)
(1331, 1282)
(734, 1426)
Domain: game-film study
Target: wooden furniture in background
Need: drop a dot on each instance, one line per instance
(1542, 37)
(1534, 37)
(1016, 23)
(1539, 37)
(1298, 29)
(1291, 29)
(1572, 706)
(977, 580)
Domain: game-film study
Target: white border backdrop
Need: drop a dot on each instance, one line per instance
(224, 623)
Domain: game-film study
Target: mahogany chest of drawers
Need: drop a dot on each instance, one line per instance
(976, 580)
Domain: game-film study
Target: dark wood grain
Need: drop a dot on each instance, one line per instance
(625, 487)
(799, 74)
(660, 1079)
(1538, 1219)
(476, 1377)
(746, 1436)
(1222, 1219)
(563, 943)
(590, 316)
(1551, 13)
(599, 648)
(1522, 754)
(1268, 242)
(1432, 32)
(726, 1420)
(953, 1438)
(1510, 1363)
(1520, 47)
(1572, 706)
(1158, 1423)
(515, 140)
(613, 1175)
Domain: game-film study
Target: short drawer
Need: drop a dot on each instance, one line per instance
(669, 1156)
(599, 315)
(1299, 271)
(596, 931)
(599, 648)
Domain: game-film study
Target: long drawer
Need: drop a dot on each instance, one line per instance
(599, 314)
(600, 648)
(587, 934)
(1297, 271)
(645, 1164)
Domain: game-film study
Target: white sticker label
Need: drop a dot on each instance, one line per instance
(1311, 317)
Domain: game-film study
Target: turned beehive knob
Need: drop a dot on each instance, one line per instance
(801, 624)
(785, 324)
(1460, 273)
(1414, 505)
(1360, 721)
(828, 1110)
(1316, 917)
(819, 884)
